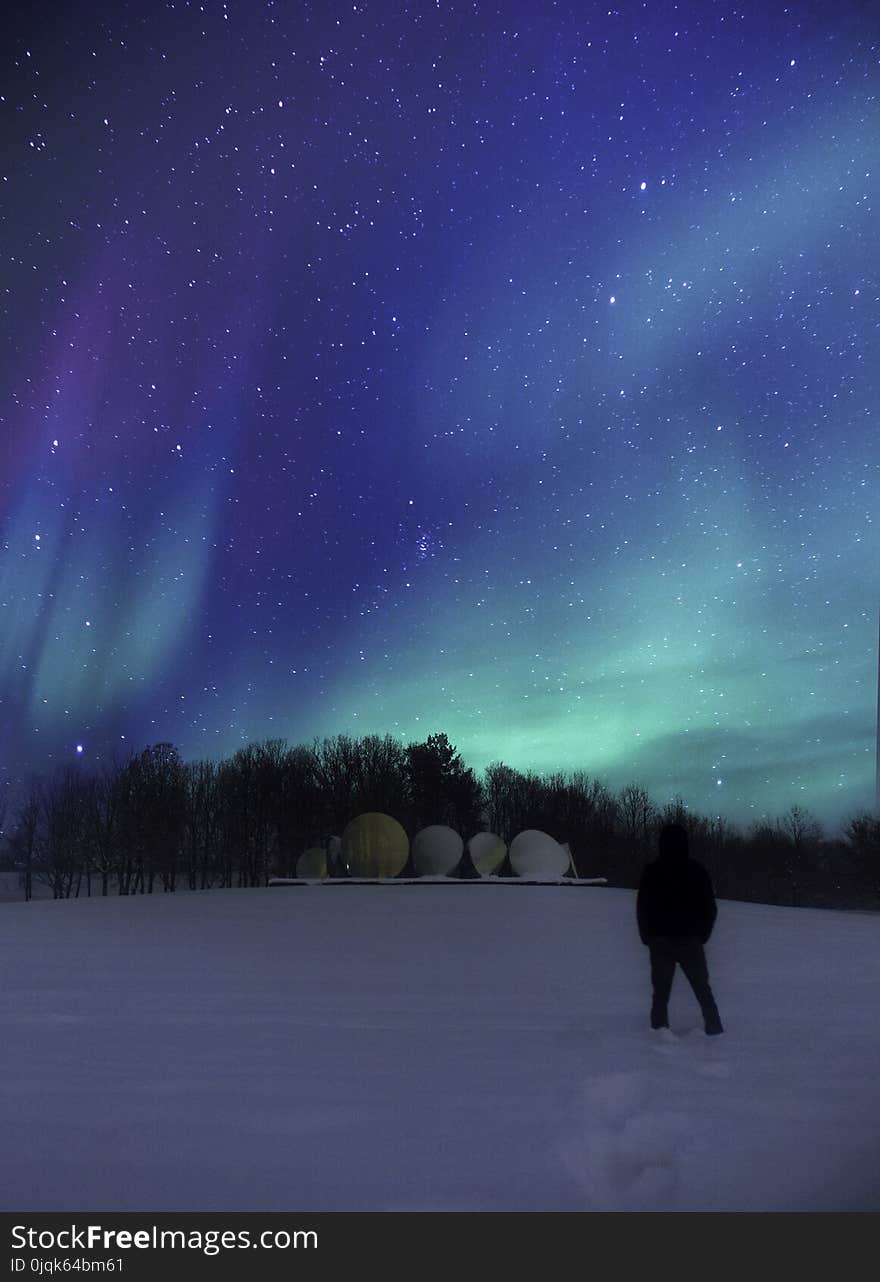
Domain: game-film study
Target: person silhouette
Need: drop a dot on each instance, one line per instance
(676, 911)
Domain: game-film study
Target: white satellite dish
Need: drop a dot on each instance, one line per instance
(436, 851)
(539, 857)
(487, 852)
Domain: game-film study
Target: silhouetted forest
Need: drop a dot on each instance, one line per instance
(157, 823)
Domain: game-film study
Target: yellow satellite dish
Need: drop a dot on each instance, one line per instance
(487, 852)
(374, 845)
(436, 851)
(312, 863)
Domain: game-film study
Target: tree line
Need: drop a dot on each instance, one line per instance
(157, 823)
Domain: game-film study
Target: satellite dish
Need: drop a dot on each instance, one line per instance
(436, 851)
(535, 855)
(487, 852)
(312, 863)
(374, 845)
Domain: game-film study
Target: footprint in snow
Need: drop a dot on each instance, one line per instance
(693, 1049)
(620, 1151)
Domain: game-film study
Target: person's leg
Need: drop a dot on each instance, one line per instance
(692, 960)
(662, 974)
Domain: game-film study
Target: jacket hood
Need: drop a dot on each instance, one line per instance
(672, 845)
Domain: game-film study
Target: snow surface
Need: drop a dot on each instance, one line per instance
(412, 1048)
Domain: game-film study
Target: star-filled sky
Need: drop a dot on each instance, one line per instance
(504, 369)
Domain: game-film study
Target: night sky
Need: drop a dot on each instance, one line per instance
(503, 369)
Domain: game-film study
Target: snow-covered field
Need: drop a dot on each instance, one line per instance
(480, 1047)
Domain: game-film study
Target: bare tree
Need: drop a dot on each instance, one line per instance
(64, 822)
(25, 837)
(335, 764)
(500, 804)
(862, 833)
(200, 823)
(103, 808)
(585, 818)
(638, 817)
(151, 806)
(800, 837)
(302, 821)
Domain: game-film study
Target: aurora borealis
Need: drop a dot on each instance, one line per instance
(509, 370)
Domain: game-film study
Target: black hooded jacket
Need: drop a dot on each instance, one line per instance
(675, 899)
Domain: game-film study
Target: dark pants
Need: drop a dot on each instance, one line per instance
(689, 955)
